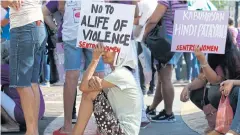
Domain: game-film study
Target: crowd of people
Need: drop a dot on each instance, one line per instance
(30, 30)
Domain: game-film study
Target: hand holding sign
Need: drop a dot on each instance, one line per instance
(98, 51)
(107, 23)
(200, 55)
(207, 29)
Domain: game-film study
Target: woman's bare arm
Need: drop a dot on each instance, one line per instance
(6, 3)
(209, 73)
(236, 82)
(48, 19)
(4, 22)
(61, 6)
(155, 18)
(198, 82)
(85, 85)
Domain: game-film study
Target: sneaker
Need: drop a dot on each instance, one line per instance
(187, 81)
(150, 112)
(74, 118)
(144, 92)
(9, 128)
(163, 117)
(46, 84)
(145, 124)
(150, 93)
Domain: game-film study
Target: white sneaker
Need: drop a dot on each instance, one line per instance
(6, 129)
(47, 84)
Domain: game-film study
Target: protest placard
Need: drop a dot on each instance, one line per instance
(206, 29)
(109, 23)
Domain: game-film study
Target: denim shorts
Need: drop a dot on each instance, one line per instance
(176, 56)
(27, 44)
(76, 58)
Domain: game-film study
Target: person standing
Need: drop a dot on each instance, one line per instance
(233, 30)
(27, 39)
(165, 91)
(238, 37)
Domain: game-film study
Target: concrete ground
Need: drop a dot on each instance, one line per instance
(190, 121)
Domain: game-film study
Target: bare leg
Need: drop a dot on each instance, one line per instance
(35, 88)
(68, 98)
(71, 83)
(85, 112)
(158, 95)
(167, 88)
(28, 105)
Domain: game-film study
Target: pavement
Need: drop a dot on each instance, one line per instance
(190, 120)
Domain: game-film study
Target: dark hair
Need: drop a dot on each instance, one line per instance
(227, 61)
(183, 1)
(230, 21)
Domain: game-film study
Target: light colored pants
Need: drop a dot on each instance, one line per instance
(137, 77)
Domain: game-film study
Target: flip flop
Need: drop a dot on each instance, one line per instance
(58, 132)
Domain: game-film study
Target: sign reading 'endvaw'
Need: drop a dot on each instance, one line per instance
(108, 23)
(206, 29)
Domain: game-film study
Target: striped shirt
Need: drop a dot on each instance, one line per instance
(169, 16)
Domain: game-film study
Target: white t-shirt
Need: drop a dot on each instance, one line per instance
(71, 19)
(125, 100)
(30, 11)
(146, 9)
(3, 13)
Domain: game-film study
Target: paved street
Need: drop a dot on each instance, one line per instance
(53, 118)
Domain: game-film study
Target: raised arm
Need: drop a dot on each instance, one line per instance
(92, 83)
(209, 73)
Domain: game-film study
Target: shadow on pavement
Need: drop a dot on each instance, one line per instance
(43, 123)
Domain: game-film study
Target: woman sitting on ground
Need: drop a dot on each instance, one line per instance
(214, 70)
(114, 100)
(227, 88)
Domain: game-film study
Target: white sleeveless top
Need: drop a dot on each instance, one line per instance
(71, 19)
(30, 11)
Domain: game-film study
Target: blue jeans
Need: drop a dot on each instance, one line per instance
(46, 68)
(187, 57)
(176, 56)
(76, 58)
(26, 51)
(195, 67)
(236, 121)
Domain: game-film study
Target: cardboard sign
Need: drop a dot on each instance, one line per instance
(108, 23)
(206, 29)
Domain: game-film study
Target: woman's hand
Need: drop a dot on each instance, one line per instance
(95, 83)
(16, 4)
(201, 76)
(98, 51)
(200, 56)
(184, 97)
(226, 87)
